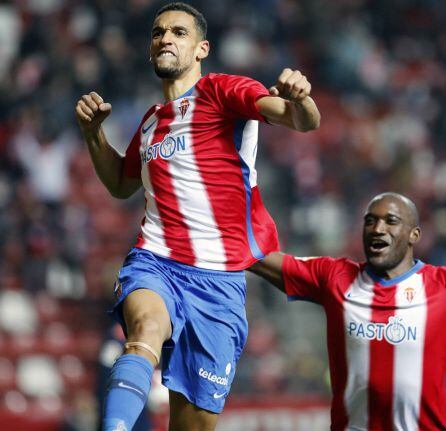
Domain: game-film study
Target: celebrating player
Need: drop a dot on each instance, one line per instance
(385, 323)
(181, 290)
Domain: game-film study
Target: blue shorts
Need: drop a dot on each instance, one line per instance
(209, 326)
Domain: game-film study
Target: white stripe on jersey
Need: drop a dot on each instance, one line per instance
(358, 300)
(411, 307)
(152, 228)
(248, 149)
(193, 199)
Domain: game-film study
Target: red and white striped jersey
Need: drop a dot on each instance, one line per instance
(386, 342)
(196, 157)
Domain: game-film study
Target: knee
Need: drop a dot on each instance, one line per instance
(145, 326)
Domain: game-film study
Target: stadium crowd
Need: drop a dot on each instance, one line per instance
(378, 70)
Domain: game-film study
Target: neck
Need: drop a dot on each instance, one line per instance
(174, 88)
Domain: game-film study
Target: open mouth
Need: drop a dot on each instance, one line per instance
(165, 54)
(377, 245)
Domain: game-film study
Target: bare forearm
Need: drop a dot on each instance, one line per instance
(91, 111)
(108, 164)
(270, 268)
(291, 104)
(305, 114)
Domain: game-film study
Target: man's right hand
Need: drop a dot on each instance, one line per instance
(91, 111)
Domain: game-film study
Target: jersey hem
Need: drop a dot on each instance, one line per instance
(222, 267)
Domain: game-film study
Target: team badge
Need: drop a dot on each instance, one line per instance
(409, 292)
(184, 106)
(120, 427)
(118, 289)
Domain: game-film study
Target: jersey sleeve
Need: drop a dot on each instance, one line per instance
(238, 96)
(306, 278)
(132, 159)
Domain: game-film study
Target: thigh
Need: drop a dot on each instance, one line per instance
(144, 293)
(202, 364)
(146, 315)
(185, 416)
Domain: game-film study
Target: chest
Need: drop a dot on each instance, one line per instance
(182, 127)
(403, 314)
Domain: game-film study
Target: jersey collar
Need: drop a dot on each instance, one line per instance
(186, 94)
(392, 281)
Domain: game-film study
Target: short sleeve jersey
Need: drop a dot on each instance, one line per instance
(196, 158)
(386, 341)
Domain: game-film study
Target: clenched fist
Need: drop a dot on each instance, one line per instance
(91, 111)
(291, 85)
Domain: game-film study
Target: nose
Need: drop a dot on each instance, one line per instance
(379, 226)
(166, 38)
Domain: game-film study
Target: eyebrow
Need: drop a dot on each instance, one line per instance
(389, 214)
(175, 27)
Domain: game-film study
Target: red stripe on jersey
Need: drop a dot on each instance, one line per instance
(381, 364)
(337, 348)
(432, 415)
(175, 230)
(224, 184)
(132, 159)
(263, 224)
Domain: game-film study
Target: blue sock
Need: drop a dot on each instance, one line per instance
(127, 392)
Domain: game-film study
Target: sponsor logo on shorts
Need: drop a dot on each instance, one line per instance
(217, 395)
(212, 377)
(228, 368)
(120, 426)
(208, 375)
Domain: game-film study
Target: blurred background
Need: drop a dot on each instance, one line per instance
(378, 70)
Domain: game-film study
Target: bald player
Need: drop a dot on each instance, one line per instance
(386, 321)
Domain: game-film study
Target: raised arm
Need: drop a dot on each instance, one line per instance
(290, 103)
(270, 268)
(91, 111)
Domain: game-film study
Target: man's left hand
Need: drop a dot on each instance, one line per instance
(291, 85)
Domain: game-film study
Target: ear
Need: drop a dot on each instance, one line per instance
(415, 235)
(202, 50)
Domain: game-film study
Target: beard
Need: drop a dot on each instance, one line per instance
(169, 72)
(387, 262)
(384, 264)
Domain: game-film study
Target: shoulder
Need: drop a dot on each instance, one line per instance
(434, 272)
(224, 79)
(342, 266)
(341, 262)
(148, 114)
(325, 264)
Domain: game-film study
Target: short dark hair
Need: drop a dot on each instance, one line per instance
(200, 20)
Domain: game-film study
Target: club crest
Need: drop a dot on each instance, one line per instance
(184, 106)
(409, 292)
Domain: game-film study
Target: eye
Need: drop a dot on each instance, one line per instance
(392, 220)
(369, 221)
(180, 32)
(156, 34)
